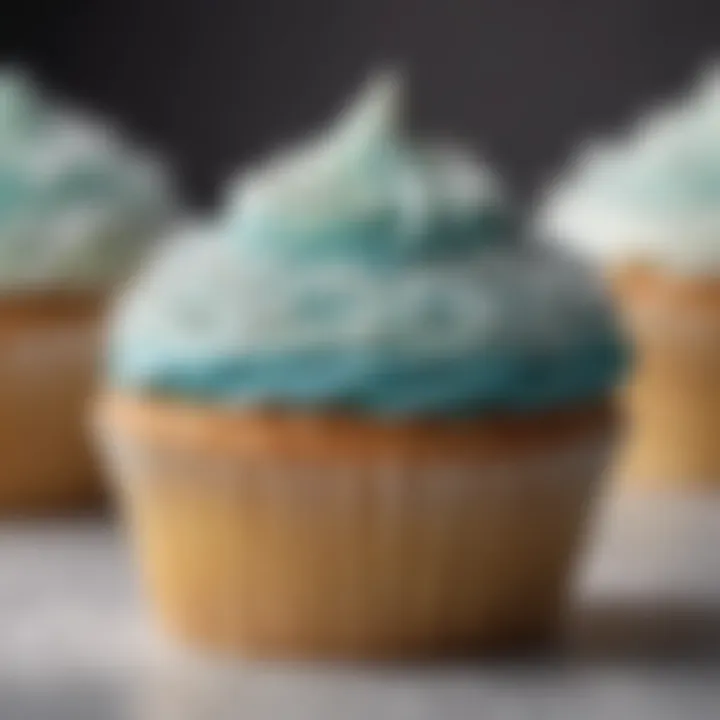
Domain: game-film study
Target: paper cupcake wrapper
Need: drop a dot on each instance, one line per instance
(568, 471)
(46, 370)
(279, 558)
(672, 397)
(694, 329)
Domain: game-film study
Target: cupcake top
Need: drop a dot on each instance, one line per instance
(77, 205)
(652, 197)
(370, 271)
(362, 190)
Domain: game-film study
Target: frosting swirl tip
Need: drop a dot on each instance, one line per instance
(364, 187)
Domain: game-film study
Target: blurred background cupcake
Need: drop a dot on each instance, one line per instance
(355, 416)
(646, 208)
(77, 208)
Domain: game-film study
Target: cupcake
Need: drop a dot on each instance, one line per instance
(356, 416)
(646, 209)
(76, 209)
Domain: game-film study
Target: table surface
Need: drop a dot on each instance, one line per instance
(644, 639)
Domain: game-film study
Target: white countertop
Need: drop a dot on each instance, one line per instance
(75, 642)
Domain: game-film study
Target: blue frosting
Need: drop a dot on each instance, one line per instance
(502, 380)
(384, 205)
(371, 274)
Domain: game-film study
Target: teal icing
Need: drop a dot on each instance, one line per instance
(372, 300)
(492, 381)
(376, 240)
(77, 205)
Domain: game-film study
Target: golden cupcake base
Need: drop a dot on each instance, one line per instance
(672, 400)
(48, 349)
(276, 535)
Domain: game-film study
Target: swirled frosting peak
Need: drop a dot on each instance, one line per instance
(364, 188)
(652, 197)
(369, 272)
(77, 204)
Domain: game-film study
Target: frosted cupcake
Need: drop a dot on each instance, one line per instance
(76, 209)
(647, 210)
(355, 416)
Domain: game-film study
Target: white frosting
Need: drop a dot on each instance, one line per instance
(77, 204)
(653, 197)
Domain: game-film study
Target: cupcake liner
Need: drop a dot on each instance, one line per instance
(358, 558)
(49, 347)
(672, 398)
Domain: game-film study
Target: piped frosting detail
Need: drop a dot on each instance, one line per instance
(363, 188)
(325, 284)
